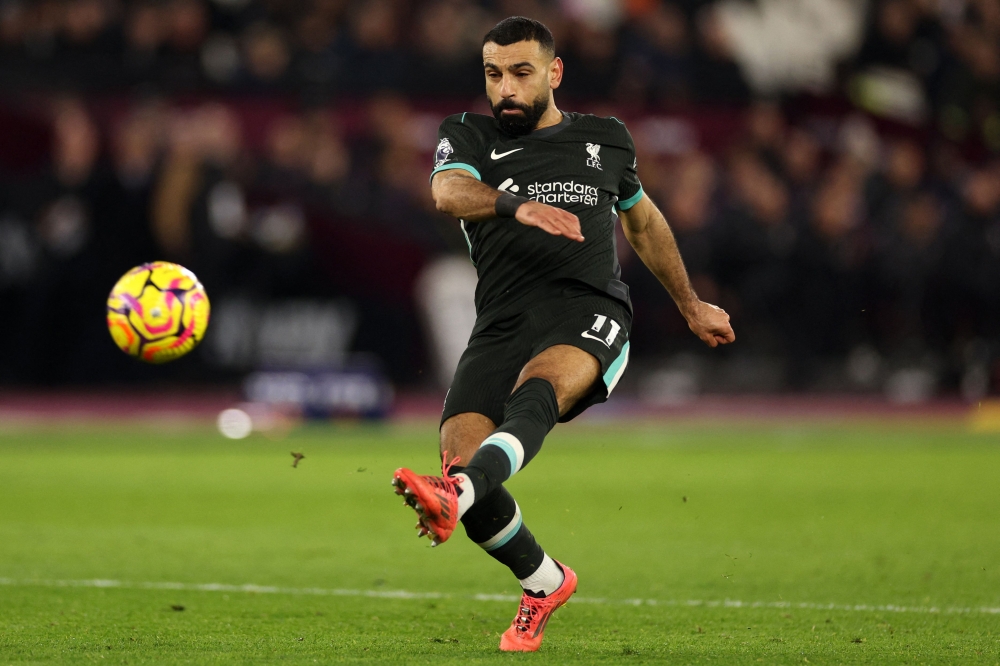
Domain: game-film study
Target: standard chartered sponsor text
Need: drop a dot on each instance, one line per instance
(563, 192)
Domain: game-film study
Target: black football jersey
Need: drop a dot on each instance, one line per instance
(585, 164)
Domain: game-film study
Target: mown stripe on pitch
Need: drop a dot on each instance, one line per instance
(404, 594)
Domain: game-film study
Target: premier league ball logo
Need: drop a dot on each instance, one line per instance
(444, 152)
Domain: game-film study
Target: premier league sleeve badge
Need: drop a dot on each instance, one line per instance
(443, 153)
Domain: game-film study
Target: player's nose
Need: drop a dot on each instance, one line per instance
(507, 87)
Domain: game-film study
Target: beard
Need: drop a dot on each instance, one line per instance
(520, 125)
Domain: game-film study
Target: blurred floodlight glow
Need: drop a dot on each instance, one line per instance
(234, 423)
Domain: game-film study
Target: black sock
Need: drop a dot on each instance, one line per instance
(495, 524)
(531, 412)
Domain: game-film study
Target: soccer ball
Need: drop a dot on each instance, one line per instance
(158, 312)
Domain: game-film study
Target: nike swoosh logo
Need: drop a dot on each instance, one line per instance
(496, 156)
(586, 334)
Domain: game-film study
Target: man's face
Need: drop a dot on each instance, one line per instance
(520, 78)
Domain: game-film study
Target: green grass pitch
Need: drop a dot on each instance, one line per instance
(715, 543)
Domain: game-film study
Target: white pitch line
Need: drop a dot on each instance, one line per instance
(404, 594)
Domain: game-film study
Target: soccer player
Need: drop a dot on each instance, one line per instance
(536, 190)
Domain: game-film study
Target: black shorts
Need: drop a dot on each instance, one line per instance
(577, 316)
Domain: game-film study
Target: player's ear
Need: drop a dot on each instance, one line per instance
(555, 72)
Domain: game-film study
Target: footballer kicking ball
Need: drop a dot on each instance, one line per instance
(158, 312)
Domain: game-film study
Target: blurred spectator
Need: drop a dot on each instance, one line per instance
(969, 91)
(719, 77)
(906, 262)
(186, 26)
(971, 261)
(450, 52)
(592, 56)
(828, 271)
(145, 32)
(766, 133)
(801, 160)
(318, 33)
(656, 60)
(267, 56)
(892, 38)
(376, 60)
(63, 206)
(755, 238)
(125, 214)
(688, 203)
(891, 188)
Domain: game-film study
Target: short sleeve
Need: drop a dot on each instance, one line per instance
(460, 146)
(629, 187)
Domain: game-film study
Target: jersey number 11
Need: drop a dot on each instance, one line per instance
(599, 326)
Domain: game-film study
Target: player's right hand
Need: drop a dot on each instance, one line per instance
(550, 219)
(710, 323)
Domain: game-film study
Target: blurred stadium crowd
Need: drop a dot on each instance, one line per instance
(830, 169)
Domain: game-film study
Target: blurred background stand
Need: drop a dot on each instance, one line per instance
(831, 170)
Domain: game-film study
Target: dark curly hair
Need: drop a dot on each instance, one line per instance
(520, 29)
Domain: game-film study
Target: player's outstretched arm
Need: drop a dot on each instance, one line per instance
(648, 232)
(459, 194)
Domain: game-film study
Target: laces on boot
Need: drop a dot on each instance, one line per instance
(447, 483)
(446, 467)
(528, 611)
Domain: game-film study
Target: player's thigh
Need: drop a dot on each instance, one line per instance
(462, 435)
(571, 371)
(583, 353)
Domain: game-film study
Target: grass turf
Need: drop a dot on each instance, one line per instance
(799, 515)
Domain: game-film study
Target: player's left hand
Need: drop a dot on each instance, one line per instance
(710, 323)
